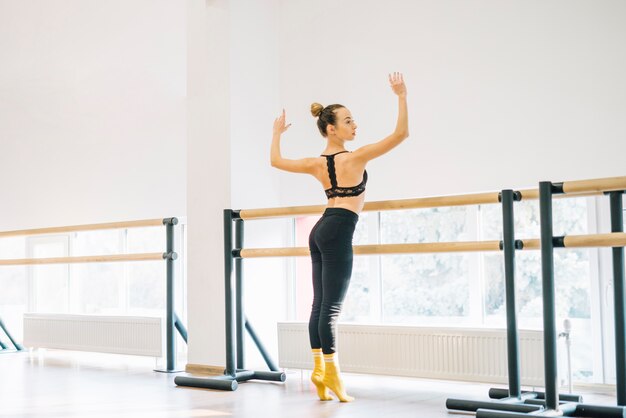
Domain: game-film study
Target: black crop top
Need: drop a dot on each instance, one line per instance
(336, 191)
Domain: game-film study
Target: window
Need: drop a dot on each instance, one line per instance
(49, 283)
(132, 288)
(572, 271)
(97, 287)
(422, 286)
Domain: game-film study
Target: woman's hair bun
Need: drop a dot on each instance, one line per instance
(316, 109)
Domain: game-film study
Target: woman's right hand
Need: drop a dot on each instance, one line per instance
(279, 125)
(397, 84)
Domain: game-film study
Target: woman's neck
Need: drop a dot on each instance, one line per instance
(333, 147)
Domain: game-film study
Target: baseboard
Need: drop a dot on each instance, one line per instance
(203, 369)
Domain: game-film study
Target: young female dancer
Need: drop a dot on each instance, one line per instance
(330, 241)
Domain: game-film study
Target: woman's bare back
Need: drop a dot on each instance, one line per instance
(349, 172)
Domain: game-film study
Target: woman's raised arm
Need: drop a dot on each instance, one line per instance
(371, 151)
(305, 165)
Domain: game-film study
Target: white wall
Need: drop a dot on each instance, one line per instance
(255, 102)
(208, 168)
(92, 111)
(501, 94)
(255, 98)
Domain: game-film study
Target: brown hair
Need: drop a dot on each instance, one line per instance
(325, 115)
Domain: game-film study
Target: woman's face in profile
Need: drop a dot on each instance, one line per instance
(345, 126)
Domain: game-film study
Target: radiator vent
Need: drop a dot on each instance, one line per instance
(140, 336)
(477, 355)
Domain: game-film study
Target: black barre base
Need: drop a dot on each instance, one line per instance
(564, 410)
(499, 393)
(567, 409)
(228, 382)
(532, 404)
(512, 405)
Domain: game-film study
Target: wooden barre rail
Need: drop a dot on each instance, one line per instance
(581, 188)
(84, 259)
(437, 247)
(615, 239)
(91, 227)
(533, 194)
(596, 185)
(578, 188)
(423, 202)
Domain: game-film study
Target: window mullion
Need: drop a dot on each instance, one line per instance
(476, 270)
(376, 268)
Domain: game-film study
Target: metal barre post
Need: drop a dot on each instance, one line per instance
(172, 322)
(617, 225)
(268, 360)
(549, 314)
(169, 327)
(508, 227)
(228, 291)
(239, 295)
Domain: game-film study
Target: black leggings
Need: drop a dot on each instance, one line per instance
(330, 243)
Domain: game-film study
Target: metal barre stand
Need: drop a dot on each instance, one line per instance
(4, 349)
(235, 321)
(513, 402)
(172, 321)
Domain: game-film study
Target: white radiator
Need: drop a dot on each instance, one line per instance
(477, 355)
(140, 336)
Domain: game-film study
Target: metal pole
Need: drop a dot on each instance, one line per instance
(567, 331)
(229, 294)
(17, 345)
(180, 327)
(268, 360)
(617, 225)
(239, 296)
(169, 316)
(570, 380)
(512, 338)
(549, 312)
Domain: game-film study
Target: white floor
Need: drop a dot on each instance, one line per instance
(66, 384)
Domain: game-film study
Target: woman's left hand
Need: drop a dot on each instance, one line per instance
(279, 124)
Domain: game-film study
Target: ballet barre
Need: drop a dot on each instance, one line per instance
(172, 320)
